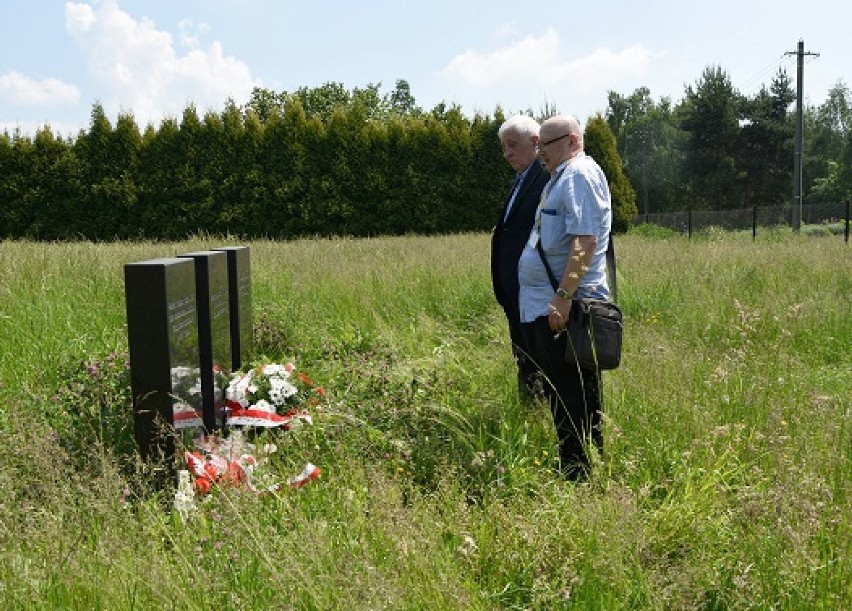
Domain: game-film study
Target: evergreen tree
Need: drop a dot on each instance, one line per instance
(710, 114)
(124, 148)
(7, 188)
(599, 143)
(400, 100)
(765, 144)
(52, 190)
(293, 163)
(487, 176)
(243, 184)
(97, 169)
(13, 170)
(160, 190)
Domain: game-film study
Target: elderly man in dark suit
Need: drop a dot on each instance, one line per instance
(519, 139)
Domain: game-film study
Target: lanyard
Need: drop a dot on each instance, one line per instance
(548, 188)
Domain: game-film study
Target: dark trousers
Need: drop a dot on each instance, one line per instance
(527, 371)
(573, 394)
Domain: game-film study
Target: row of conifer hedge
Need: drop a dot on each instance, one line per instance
(286, 176)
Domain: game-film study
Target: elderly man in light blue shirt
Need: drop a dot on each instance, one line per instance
(571, 231)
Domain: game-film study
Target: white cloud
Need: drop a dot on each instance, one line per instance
(506, 30)
(79, 17)
(540, 59)
(138, 68)
(535, 67)
(528, 57)
(190, 33)
(603, 65)
(17, 88)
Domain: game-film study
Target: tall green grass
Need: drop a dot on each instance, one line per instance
(725, 481)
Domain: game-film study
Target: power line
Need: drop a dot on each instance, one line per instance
(773, 64)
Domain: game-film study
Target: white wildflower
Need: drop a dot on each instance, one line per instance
(468, 546)
(185, 496)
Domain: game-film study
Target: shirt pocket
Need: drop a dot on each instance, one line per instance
(552, 230)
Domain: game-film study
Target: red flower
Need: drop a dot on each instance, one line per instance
(235, 472)
(210, 470)
(202, 485)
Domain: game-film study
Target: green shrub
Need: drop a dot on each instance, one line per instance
(816, 230)
(650, 230)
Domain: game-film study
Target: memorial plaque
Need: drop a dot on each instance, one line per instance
(214, 332)
(239, 285)
(162, 332)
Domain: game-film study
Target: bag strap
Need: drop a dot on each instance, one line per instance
(549, 271)
(610, 268)
(610, 264)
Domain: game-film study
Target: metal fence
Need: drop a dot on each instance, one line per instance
(741, 219)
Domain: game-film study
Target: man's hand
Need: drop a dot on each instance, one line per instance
(559, 310)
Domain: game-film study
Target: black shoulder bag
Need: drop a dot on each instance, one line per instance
(594, 325)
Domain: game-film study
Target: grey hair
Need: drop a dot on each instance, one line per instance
(523, 125)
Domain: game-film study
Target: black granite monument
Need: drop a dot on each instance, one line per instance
(214, 331)
(239, 284)
(162, 330)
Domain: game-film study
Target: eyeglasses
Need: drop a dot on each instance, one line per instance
(549, 142)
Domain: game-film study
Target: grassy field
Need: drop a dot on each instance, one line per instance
(726, 481)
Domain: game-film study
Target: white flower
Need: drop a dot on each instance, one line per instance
(276, 396)
(266, 387)
(265, 406)
(274, 369)
(282, 390)
(289, 390)
(181, 372)
(468, 546)
(185, 496)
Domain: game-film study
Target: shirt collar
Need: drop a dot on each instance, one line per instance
(522, 174)
(564, 164)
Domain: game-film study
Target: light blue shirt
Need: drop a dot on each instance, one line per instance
(575, 202)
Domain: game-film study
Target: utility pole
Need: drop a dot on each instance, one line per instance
(797, 153)
(645, 138)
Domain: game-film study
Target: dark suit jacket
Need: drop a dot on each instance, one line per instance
(510, 237)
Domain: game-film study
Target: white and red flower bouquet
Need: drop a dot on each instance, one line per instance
(270, 395)
(236, 462)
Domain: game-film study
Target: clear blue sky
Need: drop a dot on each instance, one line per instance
(152, 57)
